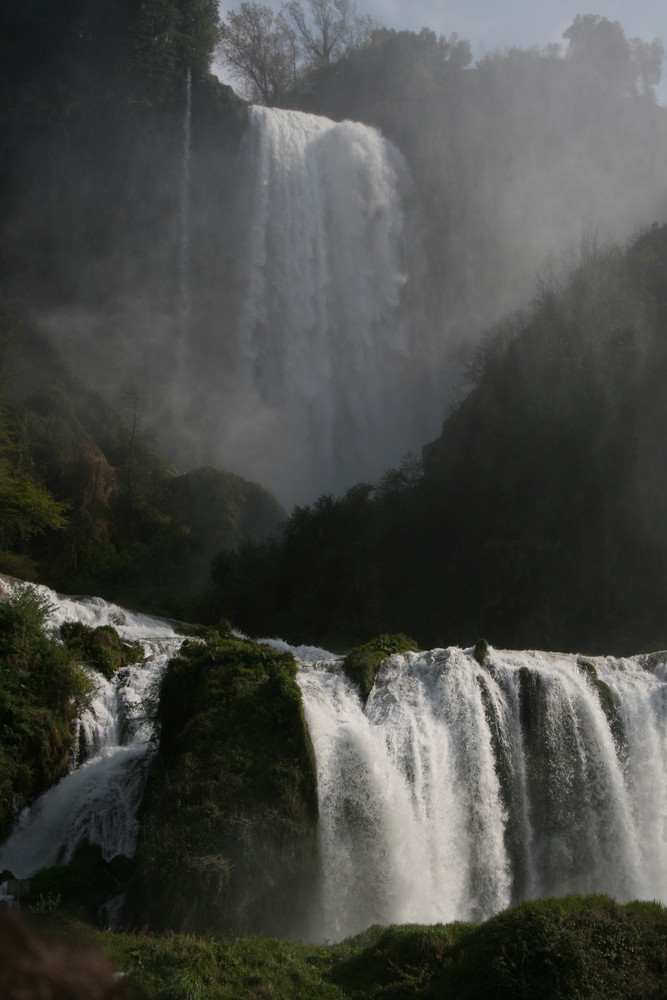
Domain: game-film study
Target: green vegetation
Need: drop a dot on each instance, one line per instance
(101, 648)
(26, 508)
(78, 889)
(227, 825)
(362, 663)
(590, 948)
(481, 651)
(564, 424)
(87, 503)
(42, 688)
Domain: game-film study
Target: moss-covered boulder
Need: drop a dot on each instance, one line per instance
(101, 647)
(81, 887)
(363, 662)
(603, 690)
(227, 840)
(481, 651)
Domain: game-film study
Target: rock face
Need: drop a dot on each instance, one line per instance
(227, 840)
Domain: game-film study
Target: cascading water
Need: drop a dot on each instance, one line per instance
(98, 800)
(459, 789)
(332, 381)
(456, 790)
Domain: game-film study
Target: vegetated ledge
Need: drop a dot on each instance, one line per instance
(363, 662)
(227, 828)
(591, 948)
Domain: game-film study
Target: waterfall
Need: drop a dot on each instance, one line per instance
(332, 377)
(456, 790)
(460, 789)
(97, 801)
(184, 255)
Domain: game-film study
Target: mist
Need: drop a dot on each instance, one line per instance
(136, 249)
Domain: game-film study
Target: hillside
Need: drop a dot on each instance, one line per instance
(125, 523)
(534, 518)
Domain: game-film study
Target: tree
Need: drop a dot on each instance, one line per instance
(168, 38)
(266, 52)
(26, 508)
(260, 50)
(648, 58)
(327, 28)
(599, 46)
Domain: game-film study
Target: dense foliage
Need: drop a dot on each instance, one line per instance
(87, 503)
(42, 688)
(100, 647)
(227, 825)
(537, 520)
(590, 948)
(511, 156)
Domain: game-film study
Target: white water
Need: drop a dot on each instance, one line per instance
(454, 792)
(98, 800)
(331, 384)
(444, 798)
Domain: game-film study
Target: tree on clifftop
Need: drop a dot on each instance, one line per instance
(260, 50)
(266, 52)
(327, 28)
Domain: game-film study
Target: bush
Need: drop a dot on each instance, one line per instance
(101, 647)
(42, 688)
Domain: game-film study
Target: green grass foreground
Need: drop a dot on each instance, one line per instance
(576, 947)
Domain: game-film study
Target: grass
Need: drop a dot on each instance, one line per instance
(576, 948)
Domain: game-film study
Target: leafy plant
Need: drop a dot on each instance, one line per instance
(42, 688)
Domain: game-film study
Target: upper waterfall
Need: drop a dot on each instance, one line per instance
(332, 380)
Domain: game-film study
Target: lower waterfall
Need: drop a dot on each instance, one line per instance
(459, 789)
(98, 800)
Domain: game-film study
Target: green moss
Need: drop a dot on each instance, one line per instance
(603, 690)
(80, 887)
(230, 810)
(101, 647)
(363, 662)
(42, 688)
(481, 651)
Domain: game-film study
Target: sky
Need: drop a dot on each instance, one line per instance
(489, 25)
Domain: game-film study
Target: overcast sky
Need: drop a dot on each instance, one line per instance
(488, 24)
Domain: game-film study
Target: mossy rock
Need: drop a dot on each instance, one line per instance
(80, 887)
(230, 809)
(603, 690)
(363, 662)
(481, 651)
(101, 647)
